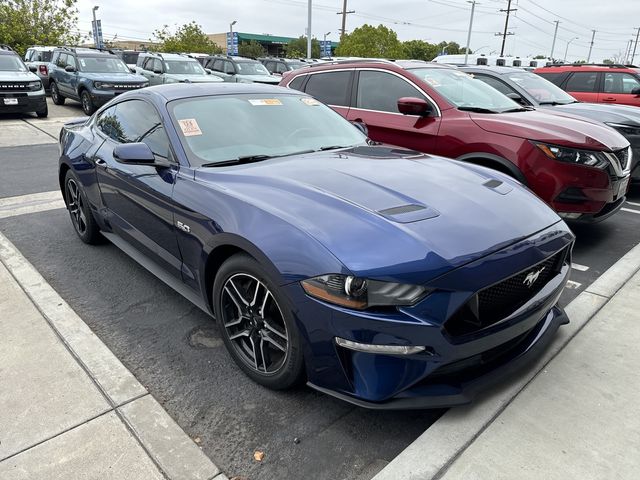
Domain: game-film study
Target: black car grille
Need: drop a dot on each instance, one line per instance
(500, 300)
(127, 86)
(6, 87)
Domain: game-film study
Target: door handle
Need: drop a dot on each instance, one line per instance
(101, 162)
(609, 99)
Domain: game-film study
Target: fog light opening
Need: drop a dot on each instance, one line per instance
(383, 349)
(569, 216)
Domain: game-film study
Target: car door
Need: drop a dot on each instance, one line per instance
(617, 88)
(156, 72)
(583, 86)
(138, 197)
(62, 77)
(73, 77)
(332, 89)
(376, 105)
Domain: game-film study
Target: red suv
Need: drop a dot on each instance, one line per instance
(580, 168)
(614, 84)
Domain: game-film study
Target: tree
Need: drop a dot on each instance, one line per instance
(370, 41)
(539, 57)
(450, 48)
(251, 49)
(298, 48)
(24, 23)
(608, 61)
(188, 38)
(419, 50)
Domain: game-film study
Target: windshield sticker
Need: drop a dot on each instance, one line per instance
(82, 62)
(461, 74)
(189, 127)
(309, 101)
(265, 101)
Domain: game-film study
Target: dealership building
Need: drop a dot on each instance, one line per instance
(274, 45)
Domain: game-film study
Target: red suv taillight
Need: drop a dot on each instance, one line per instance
(43, 70)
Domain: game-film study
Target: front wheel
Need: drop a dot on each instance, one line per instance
(81, 217)
(55, 94)
(43, 113)
(87, 104)
(256, 323)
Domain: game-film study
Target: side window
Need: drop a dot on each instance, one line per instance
(270, 66)
(27, 56)
(331, 88)
(297, 82)
(71, 61)
(280, 68)
(555, 78)
(217, 65)
(582, 82)
(381, 91)
(228, 68)
(157, 65)
(495, 83)
(62, 60)
(108, 124)
(620, 83)
(148, 63)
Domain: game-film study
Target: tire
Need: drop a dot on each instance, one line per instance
(81, 217)
(55, 94)
(87, 104)
(43, 113)
(266, 322)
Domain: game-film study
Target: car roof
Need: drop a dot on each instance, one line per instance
(584, 68)
(370, 63)
(176, 91)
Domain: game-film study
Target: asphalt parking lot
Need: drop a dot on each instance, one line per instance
(175, 351)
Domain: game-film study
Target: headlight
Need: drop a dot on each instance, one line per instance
(361, 293)
(145, 84)
(35, 86)
(573, 155)
(625, 129)
(103, 85)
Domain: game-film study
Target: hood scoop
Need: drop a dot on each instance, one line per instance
(408, 213)
(498, 186)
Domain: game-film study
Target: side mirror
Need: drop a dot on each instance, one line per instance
(134, 154)
(209, 72)
(133, 70)
(33, 69)
(69, 69)
(516, 98)
(362, 127)
(636, 92)
(414, 106)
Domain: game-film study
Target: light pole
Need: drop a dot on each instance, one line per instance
(96, 41)
(325, 44)
(567, 49)
(231, 50)
(466, 50)
(309, 30)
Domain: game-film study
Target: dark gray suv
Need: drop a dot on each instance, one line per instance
(239, 70)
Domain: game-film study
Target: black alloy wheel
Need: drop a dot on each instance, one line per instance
(81, 217)
(55, 94)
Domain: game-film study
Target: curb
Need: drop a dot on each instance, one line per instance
(431, 454)
(168, 446)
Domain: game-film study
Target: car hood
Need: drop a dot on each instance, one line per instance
(115, 77)
(17, 76)
(556, 129)
(195, 78)
(620, 114)
(376, 207)
(271, 79)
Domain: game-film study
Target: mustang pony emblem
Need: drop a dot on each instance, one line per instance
(533, 277)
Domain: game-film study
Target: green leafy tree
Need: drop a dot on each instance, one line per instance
(187, 38)
(251, 49)
(370, 41)
(24, 23)
(539, 57)
(451, 48)
(297, 48)
(419, 50)
(608, 61)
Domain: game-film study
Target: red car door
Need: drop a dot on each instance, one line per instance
(617, 88)
(583, 86)
(376, 105)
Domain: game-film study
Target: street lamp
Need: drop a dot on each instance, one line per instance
(567, 49)
(96, 41)
(231, 50)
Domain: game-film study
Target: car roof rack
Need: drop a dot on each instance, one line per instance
(354, 60)
(80, 49)
(4, 46)
(610, 65)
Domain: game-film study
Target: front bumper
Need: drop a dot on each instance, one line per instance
(100, 97)
(454, 366)
(26, 102)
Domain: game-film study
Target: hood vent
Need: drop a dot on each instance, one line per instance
(408, 213)
(498, 186)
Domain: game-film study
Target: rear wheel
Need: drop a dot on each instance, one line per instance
(55, 94)
(81, 217)
(256, 323)
(87, 104)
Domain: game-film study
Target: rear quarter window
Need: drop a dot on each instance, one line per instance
(297, 82)
(331, 88)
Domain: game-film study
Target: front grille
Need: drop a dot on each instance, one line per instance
(123, 86)
(14, 87)
(498, 301)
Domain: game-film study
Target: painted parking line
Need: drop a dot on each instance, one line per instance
(580, 268)
(32, 203)
(573, 285)
(634, 204)
(630, 210)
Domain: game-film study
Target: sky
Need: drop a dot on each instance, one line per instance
(532, 23)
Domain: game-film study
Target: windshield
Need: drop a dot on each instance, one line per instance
(130, 57)
(464, 91)
(11, 63)
(106, 64)
(543, 91)
(222, 128)
(184, 67)
(252, 68)
(296, 65)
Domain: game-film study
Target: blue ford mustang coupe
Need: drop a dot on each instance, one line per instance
(385, 277)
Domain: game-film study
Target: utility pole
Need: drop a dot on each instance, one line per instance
(555, 34)
(633, 56)
(344, 14)
(593, 36)
(466, 51)
(506, 26)
(627, 51)
(309, 31)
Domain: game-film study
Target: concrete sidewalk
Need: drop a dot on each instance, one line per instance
(68, 408)
(572, 415)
